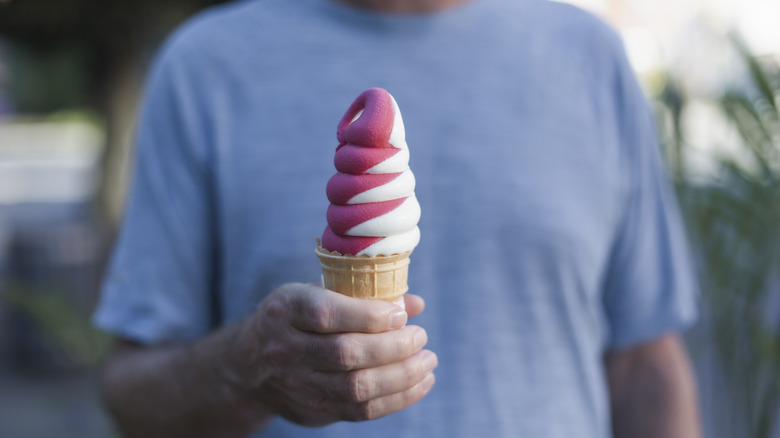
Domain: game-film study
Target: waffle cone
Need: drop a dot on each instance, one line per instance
(379, 278)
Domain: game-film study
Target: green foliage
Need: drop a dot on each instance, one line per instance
(734, 222)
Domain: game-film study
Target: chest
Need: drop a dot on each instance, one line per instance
(502, 168)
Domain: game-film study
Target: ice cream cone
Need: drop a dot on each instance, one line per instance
(379, 277)
(373, 210)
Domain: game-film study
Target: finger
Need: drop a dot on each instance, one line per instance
(414, 305)
(382, 406)
(350, 351)
(370, 383)
(320, 310)
(302, 410)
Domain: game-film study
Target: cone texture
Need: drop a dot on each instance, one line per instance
(381, 277)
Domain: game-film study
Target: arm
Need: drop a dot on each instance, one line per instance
(307, 354)
(652, 391)
(178, 390)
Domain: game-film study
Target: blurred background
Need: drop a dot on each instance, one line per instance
(72, 71)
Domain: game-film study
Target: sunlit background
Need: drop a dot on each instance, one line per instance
(71, 73)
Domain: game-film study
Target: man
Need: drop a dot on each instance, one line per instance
(552, 260)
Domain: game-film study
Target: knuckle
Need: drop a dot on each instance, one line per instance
(300, 305)
(363, 411)
(420, 389)
(412, 372)
(355, 388)
(344, 353)
(306, 411)
(274, 307)
(332, 351)
(412, 396)
(314, 313)
(375, 317)
(404, 345)
(318, 315)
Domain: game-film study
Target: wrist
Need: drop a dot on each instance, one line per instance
(241, 373)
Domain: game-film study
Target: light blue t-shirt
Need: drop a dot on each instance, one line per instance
(549, 232)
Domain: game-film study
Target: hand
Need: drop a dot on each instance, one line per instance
(315, 357)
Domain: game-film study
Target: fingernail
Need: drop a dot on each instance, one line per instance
(397, 319)
(429, 361)
(420, 339)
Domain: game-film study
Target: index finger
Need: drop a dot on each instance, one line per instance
(320, 310)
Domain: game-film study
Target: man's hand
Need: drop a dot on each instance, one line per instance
(308, 354)
(315, 357)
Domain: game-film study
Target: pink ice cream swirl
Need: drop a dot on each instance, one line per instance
(373, 209)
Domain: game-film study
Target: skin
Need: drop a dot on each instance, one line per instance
(652, 391)
(307, 354)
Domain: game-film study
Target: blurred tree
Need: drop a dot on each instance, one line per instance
(117, 24)
(48, 79)
(105, 35)
(734, 221)
(86, 55)
(90, 54)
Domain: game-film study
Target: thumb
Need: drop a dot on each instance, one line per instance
(414, 305)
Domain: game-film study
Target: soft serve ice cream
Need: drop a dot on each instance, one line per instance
(373, 209)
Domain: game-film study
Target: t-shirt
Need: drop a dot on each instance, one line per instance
(549, 231)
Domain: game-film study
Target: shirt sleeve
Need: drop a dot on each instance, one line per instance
(650, 287)
(161, 278)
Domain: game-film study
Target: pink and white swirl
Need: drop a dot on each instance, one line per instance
(373, 209)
